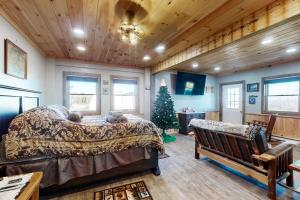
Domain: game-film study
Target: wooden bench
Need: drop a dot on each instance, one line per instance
(251, 157)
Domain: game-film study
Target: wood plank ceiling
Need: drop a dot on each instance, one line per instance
(249, 53)
(176, 23)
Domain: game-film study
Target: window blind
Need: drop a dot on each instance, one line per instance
(82, 79)
(124, 81)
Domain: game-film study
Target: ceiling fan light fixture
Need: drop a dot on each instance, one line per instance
(130, 32)
(133, 41)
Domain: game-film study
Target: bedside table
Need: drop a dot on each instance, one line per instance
(31, 190)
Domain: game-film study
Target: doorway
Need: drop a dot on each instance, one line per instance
(232, 102)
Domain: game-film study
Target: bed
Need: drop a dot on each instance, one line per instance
(68, 168)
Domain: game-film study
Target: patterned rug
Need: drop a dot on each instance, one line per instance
(132, 191)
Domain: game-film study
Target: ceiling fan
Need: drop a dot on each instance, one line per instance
(130, 13)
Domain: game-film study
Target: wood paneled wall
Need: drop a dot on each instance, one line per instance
(261, 19)
(285, 126)
(213, 115)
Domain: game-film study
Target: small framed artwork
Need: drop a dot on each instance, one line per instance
(252, 100)
(15, 60)
(253, 87)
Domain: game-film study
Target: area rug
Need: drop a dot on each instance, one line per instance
(132, 191)
(162, 156)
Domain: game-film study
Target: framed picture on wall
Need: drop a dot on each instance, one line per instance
(15, 60)
(253, 87)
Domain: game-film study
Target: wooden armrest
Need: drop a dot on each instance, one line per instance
(263, 157)
(274, 153)
(280, 149)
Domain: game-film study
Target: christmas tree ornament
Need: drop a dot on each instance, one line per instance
(164, 115)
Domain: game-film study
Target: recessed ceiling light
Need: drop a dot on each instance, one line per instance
(217, 68)
(160, 48)
(81, 48)
(195, 65)
(267, 41)
(291, 50)
(78, 31)
(147, 57)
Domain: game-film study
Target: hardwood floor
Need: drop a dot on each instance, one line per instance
(185, 178)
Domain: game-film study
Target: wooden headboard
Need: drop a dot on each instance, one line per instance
(14, 101)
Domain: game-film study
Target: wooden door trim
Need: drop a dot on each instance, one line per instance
(221, 97)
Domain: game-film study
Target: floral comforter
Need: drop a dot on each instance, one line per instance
(45, 131)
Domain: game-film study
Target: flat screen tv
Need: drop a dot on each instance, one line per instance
(190, 84)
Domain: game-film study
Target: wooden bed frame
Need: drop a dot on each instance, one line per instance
(14, 101)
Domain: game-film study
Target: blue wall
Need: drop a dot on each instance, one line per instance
(255, 76)
(206, 102)
(209, 101)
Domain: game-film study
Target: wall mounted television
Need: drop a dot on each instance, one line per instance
(190, 84)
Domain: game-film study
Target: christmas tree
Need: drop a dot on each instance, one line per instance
(164, 115)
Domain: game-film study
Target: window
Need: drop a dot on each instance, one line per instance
(82, 93)
(281, 95)
(125, 94)
(233, 101)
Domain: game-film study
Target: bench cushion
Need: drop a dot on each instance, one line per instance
(254, 133)
(220, 126)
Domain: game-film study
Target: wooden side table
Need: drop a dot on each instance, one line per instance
(184, 119)
(31, 190)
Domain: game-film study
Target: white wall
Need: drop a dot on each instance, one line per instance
(201, 103)
(255, 76)
(55, 69)
(36, 61)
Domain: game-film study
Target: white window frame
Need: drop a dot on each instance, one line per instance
(66, 98)
(231, 99)
(265, 94)
(137, 95)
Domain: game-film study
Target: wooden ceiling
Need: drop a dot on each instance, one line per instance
(176, 23)
(248, 52)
